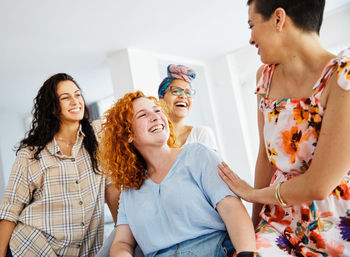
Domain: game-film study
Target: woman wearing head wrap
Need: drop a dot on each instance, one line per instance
(176, 93)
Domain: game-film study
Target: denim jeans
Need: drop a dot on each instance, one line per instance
(217, 244)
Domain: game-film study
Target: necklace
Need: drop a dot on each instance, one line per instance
(67, 144)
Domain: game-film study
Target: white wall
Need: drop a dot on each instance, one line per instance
(11, 132)
(2, 182)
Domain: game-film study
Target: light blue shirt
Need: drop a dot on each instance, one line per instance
(181, 207)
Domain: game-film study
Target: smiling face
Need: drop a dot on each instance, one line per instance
(178, 106)
(263, 34)
(71, 101)
(149, 125)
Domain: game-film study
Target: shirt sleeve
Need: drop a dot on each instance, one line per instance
(207, 137)
(122, 219)
(18, 192)
(214, 187)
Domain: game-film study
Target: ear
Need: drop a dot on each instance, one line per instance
(131, 139)
(279, 17)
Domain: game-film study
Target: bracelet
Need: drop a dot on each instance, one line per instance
(278, 195)
(248, 254)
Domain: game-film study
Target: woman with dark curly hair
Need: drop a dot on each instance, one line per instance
(173, 201)
(54, 201)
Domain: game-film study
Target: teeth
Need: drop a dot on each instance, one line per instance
(156, 128)
(75, 110)
(181, 104)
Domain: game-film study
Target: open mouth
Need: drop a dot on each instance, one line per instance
(181, 104)
(75, 110)
(157, 128)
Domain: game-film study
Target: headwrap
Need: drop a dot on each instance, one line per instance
(175, 72)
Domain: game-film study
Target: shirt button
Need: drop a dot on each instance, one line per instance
(81, 202)
(76, 182)
(82, 224)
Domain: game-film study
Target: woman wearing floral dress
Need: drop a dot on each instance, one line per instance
(302, 188)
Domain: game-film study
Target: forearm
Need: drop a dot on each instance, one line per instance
(6, 228)
(112, 195)
(120, 249)
(238, 223)
(297, 190)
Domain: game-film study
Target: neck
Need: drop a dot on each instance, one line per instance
(68, 131)
(178, 123)
(304, 55)
(157, 159)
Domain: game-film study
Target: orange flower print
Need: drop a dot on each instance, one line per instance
(273, 114)
(291, 140)
(317, 239)
(262, 242)
(271, 153)
(342, 191)
(335, 249)
(300, 115)
(310, 254)
(343, 66)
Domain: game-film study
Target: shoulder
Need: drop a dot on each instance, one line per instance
(196, 147)
(199, 130)
(198, 151)
(26, 152)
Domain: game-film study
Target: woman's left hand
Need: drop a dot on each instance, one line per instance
(235, 183)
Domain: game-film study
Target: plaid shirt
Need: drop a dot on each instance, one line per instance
(56, 201)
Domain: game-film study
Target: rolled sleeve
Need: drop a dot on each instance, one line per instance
(17, 193)
(122, 219)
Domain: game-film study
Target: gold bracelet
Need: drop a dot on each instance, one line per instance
(278, 195)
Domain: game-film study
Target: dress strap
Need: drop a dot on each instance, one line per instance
(263, 86)
(339, 64)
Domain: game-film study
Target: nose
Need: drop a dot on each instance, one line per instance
(153, 117)
(251, 41)
(74, 101)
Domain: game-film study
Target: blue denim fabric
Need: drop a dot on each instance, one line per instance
(217, 244)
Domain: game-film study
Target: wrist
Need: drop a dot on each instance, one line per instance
(252, 195)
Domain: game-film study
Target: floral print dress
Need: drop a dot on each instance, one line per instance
(291, 130)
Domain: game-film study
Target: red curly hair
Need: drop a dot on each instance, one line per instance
(119, 159)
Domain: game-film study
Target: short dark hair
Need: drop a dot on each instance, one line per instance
(305, 14)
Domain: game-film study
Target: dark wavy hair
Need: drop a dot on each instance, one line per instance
(305, 14)
(46, 122)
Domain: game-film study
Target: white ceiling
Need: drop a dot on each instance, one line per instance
(43, 37)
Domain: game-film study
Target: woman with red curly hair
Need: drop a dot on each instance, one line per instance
(137, 151)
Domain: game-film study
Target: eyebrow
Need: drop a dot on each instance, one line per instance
(68, 93)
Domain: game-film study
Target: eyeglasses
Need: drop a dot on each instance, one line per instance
(189, 92)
